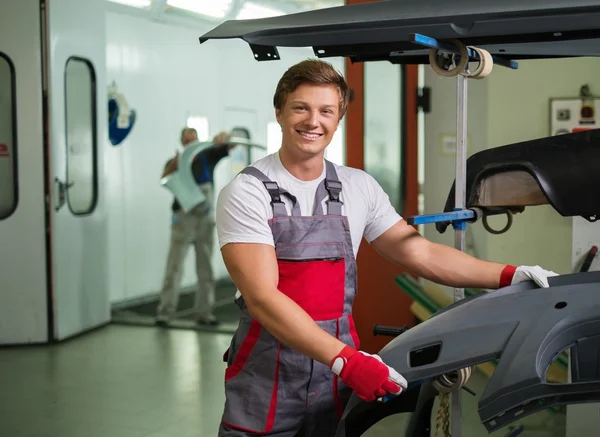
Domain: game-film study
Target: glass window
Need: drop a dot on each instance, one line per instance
(8, 136)
(201, 125)
(335, 150)
(80, 116)
(383, 128)
(274, 136)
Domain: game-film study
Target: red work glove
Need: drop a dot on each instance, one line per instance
(366, 374)
(513, 275)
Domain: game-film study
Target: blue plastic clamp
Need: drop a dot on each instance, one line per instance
(458, 217)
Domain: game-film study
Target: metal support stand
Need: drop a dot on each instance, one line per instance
(460, 216)
(460, 227)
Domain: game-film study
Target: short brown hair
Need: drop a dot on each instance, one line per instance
(187, 129)
(313, 71)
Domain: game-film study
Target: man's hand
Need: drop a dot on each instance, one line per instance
(172, 166)
(221, 138)
(367, 375)
(513, 275)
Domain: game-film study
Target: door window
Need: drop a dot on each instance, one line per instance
(80, 116)
(201, 125)
(8, 144)
(383, 140)
(8, 139)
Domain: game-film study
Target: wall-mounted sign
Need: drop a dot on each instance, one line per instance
(571, 115)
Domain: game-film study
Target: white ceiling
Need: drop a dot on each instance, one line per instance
(220, 10)
(313, 4)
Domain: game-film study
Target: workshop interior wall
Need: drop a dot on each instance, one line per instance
(167, 76)
(507, 107)
(518, 109)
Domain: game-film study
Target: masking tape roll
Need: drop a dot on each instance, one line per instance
(453, 381)
(486, 64)
(438, 69)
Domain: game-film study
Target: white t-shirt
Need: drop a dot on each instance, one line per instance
(244, 205)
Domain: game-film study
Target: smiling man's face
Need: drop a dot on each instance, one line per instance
(309, 119)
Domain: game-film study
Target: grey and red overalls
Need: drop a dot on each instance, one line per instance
(271, 389)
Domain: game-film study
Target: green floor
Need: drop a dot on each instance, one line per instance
(143, 313)
(134, 381)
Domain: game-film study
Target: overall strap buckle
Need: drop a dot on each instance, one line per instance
(334, 188)
(274, 191)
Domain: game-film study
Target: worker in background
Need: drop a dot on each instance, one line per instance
(289, 229)
(196, 227)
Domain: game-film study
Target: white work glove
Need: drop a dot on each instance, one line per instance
(535, 273)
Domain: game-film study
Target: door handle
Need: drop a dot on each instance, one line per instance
(62, 192)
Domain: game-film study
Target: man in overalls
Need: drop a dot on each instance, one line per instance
(289, 228)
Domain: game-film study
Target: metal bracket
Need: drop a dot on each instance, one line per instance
(265, 53)
(433, 43)
(424, 99)
(61, 194)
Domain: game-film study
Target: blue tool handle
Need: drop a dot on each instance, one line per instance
(412, 384)
(459, 215)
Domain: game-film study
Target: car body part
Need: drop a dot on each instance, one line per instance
(382, 30)
(499, 326)
(560, 170)
(181, 183)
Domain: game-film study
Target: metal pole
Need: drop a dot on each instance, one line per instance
(459, 203)
(460, 189)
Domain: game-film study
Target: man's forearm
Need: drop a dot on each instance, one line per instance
(292, 326)
(448, 266)
(170, 168)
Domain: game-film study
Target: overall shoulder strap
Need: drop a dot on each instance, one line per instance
(205, 175)
(275, 192)
(331, 186)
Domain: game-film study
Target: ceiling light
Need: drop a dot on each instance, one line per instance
(252, 11)
(211, 8)
(134, 3)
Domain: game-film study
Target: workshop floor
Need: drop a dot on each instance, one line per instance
(129, 381)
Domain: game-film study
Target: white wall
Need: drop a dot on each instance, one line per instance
(507, 107)
(166, 75)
